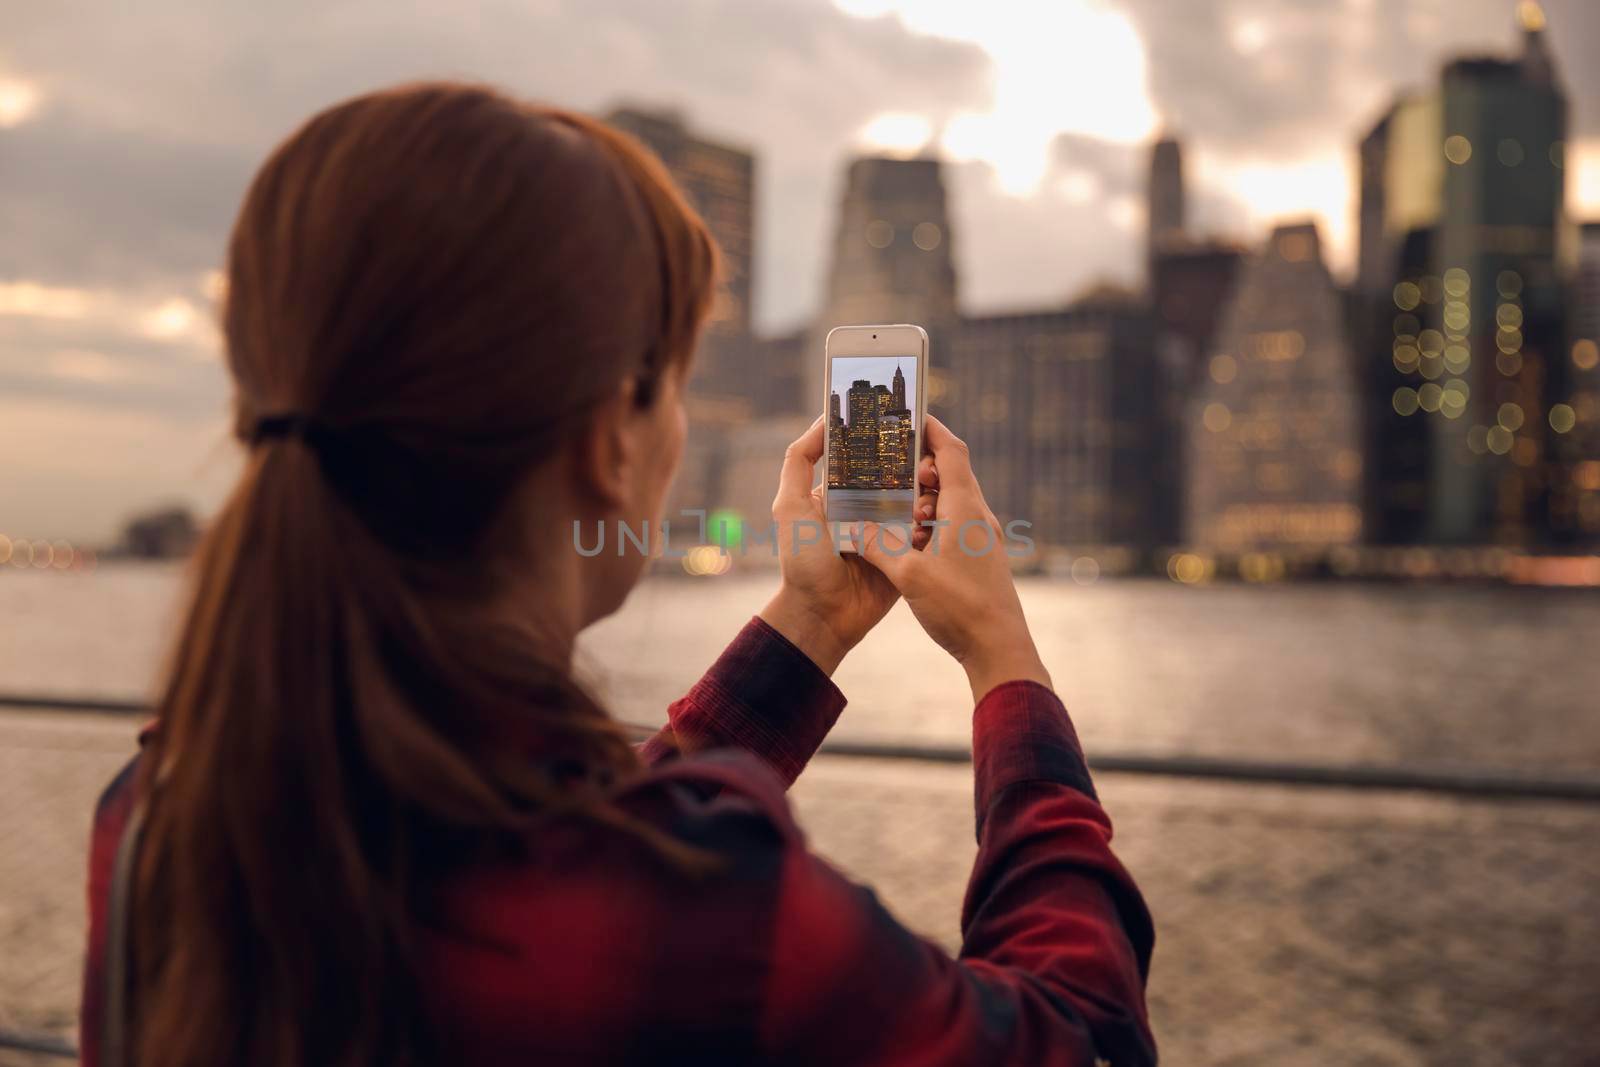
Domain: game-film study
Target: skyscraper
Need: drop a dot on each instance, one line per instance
(837, 464)
(892, 433)
(1575, 419)
(1275, 444)
(888, 427)
(1397, 187)
(1164, 200)
(719, 180)
(1586, 283)
(891, 257)
(861, 435)
(780, 365)
(1058, 407)
(1189, 282)
(898, 389)
(1462, 191)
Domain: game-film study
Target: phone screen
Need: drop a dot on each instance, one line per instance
(873, 431)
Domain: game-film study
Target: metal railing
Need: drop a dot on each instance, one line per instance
(1485, 782)
(39, 1044)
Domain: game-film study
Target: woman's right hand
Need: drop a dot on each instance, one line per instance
(959, 587)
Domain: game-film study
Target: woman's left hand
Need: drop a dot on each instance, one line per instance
(827, 601)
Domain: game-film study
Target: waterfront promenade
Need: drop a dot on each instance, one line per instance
(1296, 926)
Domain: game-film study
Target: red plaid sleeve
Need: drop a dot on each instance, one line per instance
(111, 815)
(1056, 938)
(763, 695)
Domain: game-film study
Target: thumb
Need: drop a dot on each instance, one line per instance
(799, 469)
(885, 547)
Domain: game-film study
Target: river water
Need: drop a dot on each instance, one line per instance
(1430, 674)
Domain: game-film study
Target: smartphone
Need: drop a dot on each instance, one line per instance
(873, 403)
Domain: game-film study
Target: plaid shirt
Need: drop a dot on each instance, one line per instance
(593, 951)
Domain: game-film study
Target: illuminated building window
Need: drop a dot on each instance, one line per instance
(1223, 369)
(1510, 416)
(1273, 478)
(1453, 401)
(880, 234)
(926, 236)
(1295, 247)
(1217, 417)
(1586, 355)
(1407, 295)
(1562, 418)
(1279, 346)
(1457, 149)
(1347, 465)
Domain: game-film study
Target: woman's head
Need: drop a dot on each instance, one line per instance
(456, 323)
(461, 291)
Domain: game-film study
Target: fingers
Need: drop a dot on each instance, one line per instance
(927, 506)
(928, 474)
(799, 467)
(886, 548)
(949, 454)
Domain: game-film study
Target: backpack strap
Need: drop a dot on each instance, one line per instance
(119, 949)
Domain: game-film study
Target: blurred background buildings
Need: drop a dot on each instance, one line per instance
(1436, 400)
(1242, 401)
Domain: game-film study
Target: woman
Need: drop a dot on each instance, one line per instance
(382, 825)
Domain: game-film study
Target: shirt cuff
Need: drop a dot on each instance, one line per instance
(763, 695)
(1021, 733)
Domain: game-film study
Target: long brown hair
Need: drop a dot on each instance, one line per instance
(432, 285)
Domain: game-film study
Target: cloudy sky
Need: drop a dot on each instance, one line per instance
(128, 132)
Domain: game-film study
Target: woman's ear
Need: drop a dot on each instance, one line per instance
(607, 450)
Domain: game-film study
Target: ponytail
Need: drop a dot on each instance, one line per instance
(436, 280)
(324, 744)
(270, 842)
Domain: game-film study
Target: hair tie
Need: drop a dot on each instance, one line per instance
(284, 424)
